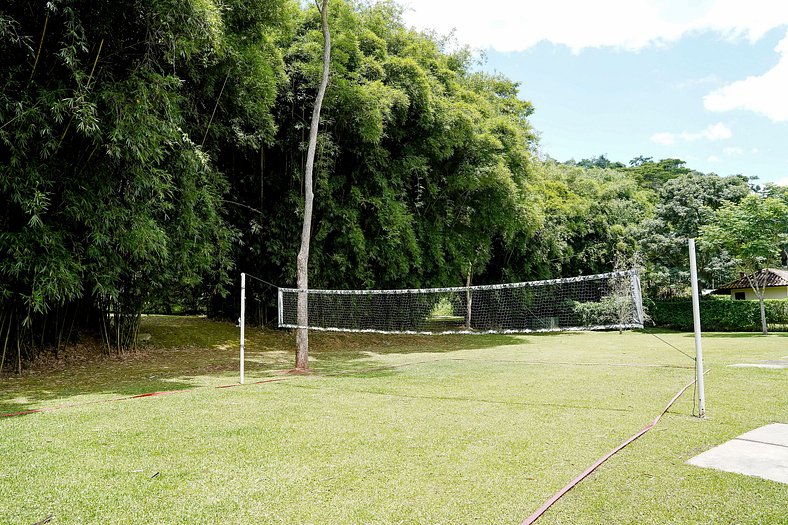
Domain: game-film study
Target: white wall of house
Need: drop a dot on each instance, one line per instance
(772, 292)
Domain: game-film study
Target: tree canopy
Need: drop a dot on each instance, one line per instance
(754, 232)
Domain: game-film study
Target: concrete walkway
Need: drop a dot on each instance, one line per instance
(763, 364)
(775, 363)
(762, 452)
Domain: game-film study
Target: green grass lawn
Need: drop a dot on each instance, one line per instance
(388, 429)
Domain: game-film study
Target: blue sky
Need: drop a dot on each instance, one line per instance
(706, 83)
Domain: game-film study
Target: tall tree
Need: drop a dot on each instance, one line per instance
(754, 232)
(421, 162)
(599, 162)
(105, 197)
(590, 219)
(302, 333)
(686, 203)
(651, 174)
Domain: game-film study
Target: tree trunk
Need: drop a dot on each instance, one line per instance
(763, 315)
(759, 293)
(302, 263)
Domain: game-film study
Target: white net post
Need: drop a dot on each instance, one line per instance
(696, 325)
(279, 306)
(637, 298)
(242, 321)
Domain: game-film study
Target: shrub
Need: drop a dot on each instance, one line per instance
(722, 315)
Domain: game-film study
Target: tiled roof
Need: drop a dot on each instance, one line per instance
(768, 276)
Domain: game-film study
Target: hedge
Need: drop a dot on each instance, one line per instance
(720, 315)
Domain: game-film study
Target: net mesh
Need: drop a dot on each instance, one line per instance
(593, 302)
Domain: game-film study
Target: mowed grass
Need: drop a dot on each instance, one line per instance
(454, 429)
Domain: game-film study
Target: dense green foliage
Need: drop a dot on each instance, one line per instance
(107, 199)
(686, 204)
(753, 231)
(422, 167)
(723, 315)
(590, 219)
(150, 151)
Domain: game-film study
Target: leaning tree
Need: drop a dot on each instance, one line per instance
(302, 333)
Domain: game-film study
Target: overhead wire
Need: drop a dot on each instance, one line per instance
(695, 385)
(262, 281)
(669, 344)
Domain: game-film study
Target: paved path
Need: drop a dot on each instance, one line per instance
(763, 364)
(762, 452)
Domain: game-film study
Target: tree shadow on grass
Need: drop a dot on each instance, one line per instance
(25, 395)
(183, 351)
(565, 333)
(180, 354)
(737, 335)
(336, 352)
(466, 398)
(657, 330)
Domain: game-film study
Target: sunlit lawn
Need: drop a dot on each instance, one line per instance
(451, 429)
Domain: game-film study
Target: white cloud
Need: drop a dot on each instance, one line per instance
(517, 25)
(734, 151)
(514, 25)
(714, 158)
(718, 131)
(782, 182)
(764, 94)
(692, 82)
(664, 138)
